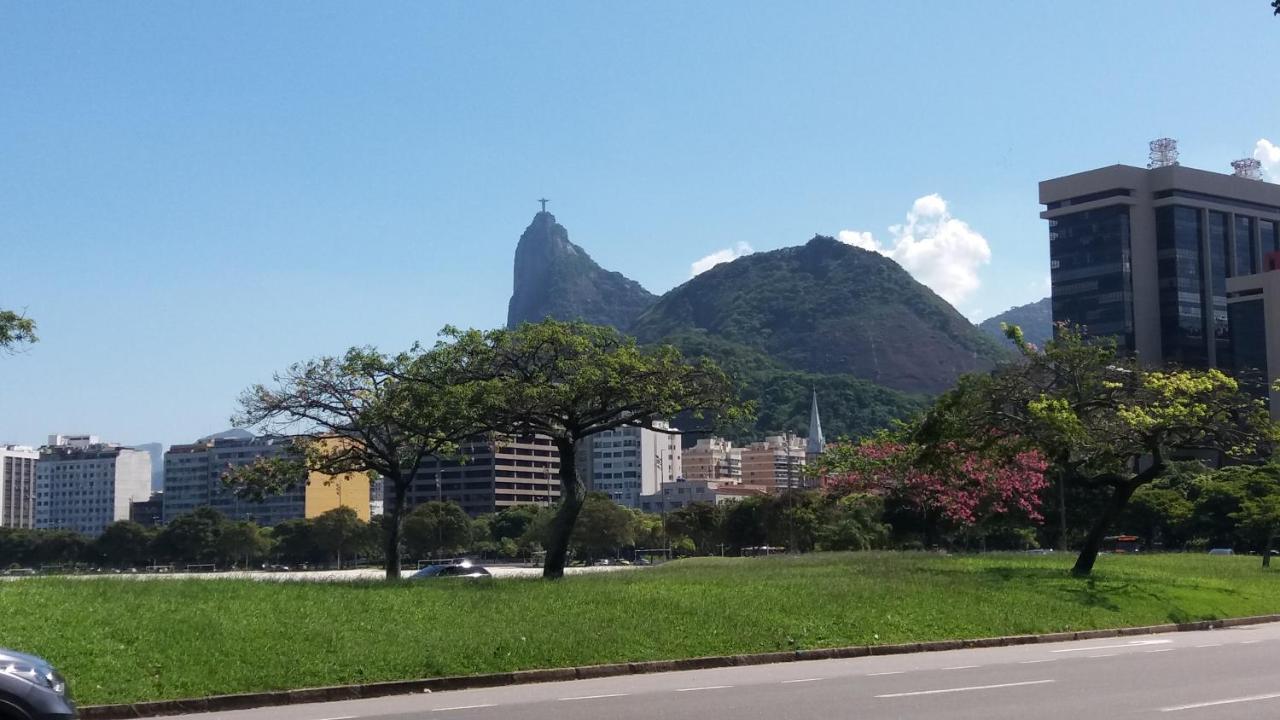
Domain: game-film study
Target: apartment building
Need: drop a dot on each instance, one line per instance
(18, 486)
(85, 486)
(630, 462)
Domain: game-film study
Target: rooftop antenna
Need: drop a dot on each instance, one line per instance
(1248, 168)
(1164, 152)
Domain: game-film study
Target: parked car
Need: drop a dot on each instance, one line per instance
(1221, 551)
(20, 572)
(30, 689)
(463, 569)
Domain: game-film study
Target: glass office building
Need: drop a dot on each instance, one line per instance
(1090, 271)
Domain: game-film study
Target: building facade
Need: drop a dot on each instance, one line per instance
(18, 486)
(84, 487)
(776, 462)
(1253, 306)
(630, 462)
(149, 512)
(491, 473)
(675, 495)
(713, 458)
(193, 478)
(1144, 255)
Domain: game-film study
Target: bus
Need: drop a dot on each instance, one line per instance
(1121, 544)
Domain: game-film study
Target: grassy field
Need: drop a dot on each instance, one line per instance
(125, 640)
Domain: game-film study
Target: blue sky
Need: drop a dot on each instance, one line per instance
(194, 196)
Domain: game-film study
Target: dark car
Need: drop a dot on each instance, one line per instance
(30, 689)
(462, 569)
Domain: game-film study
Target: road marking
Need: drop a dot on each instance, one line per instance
(1210, 645)
(1033, 662)
(595, 697)
(964, 689)
(705, 687)
(1160, 650)
(1135, 643)
(960, 667)
(1250, 642)
(784, 682)
(459, 707)
(341, 717)
(895, 672)
(1090, 657)
(1229, 701)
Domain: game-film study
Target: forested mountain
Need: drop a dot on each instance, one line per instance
(1035, 319)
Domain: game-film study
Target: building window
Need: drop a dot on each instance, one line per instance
(1246, 262)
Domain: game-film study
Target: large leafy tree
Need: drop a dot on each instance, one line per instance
(123, 544)
(436, 528)
(358, 414)
(339, 532)
(1102, 421)
(603, 527)
(568, 381)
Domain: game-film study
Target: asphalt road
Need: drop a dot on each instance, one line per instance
(1213, 675)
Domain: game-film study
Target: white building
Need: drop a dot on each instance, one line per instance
(18, 486)
(629, 462)
(676, 495)
(85, 487)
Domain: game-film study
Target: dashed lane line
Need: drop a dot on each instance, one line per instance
(801, 680)
(463, 707)
(704, 687)
(593, 697)
(1228, 701)
(970, 688)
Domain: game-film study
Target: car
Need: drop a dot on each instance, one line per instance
(20, 572)
(1221, 551)
(463, 569)
(30, 689)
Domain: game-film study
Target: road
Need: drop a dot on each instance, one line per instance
(1225, 674)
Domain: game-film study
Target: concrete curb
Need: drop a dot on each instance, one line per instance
(220, 703)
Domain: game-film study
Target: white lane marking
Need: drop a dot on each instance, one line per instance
(705, 687)
(784, 682)
(960, 667)
(1250, 642)
(1135, 643)
(964, 689)
(1210, 645)
(341, 717)
(1090, 657)
(1033, 662)
(1160, 650)
(459, 707)
(595, 697)
(895, 672)
(1229, 701)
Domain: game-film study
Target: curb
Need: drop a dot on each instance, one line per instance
(246, 701)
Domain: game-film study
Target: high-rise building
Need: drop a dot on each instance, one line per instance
(149, 512)
(18, 486)
(1143, 255)
(629, 462)
(193, 477)
(85, 487)
(491, 473)
(776, 462)
(713, 458)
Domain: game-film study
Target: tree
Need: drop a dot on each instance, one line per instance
(568, 381)
(358, 414)
(699, 522)
(339, 532)
(240, 541)
(1102, 421)
(603, 527)
(746, 522)
(852, 522)
(15, 330)
(122, 544)
(436, 528)
(191, 538)
(293, 541)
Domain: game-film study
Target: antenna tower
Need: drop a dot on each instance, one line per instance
(1164, 152)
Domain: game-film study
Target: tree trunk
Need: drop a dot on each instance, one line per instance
(1266, 550)
(571, 499)
(1062, 511)
(396, 516)
(1093, 543)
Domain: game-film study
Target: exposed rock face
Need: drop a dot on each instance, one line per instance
(827, 307)
(555, 278)
(1035, 319)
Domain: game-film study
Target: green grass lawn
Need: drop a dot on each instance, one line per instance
(128, 640)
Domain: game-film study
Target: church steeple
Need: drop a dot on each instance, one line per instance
(815, 443)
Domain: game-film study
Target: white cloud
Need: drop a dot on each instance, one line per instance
(720, 256)
(1268, 153)
(938, 249)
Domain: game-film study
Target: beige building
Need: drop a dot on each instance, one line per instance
(676, 495)
(776, 462)
(492, 474)
(18, 486)
(713, 458)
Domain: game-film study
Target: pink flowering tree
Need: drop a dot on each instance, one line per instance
(962, 490)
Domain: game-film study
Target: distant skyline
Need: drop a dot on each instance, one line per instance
(193, 197)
